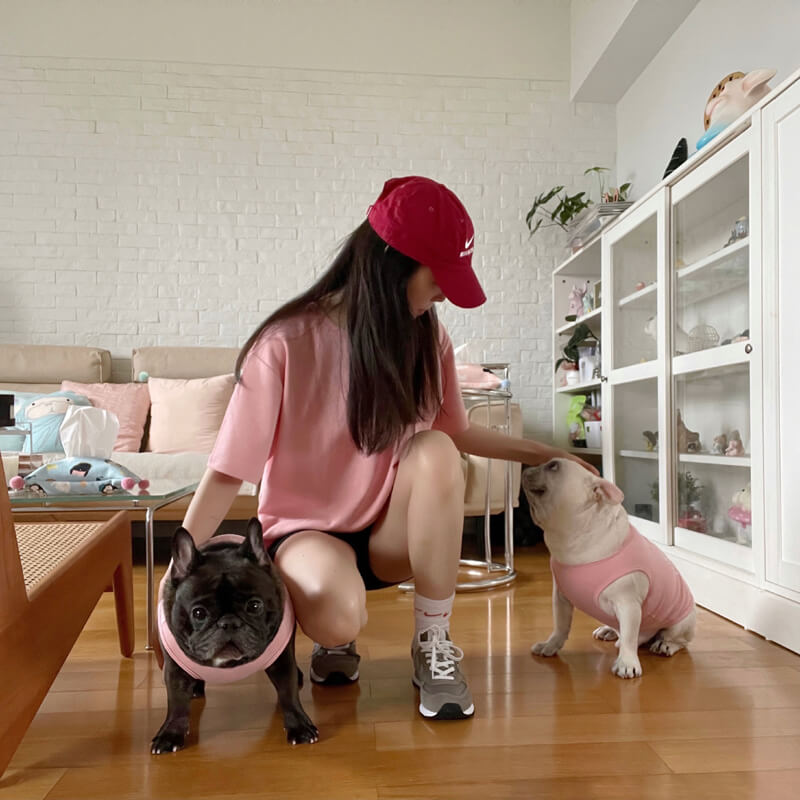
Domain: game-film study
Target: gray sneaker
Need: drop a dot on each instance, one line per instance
(443, 691)
(334, 666)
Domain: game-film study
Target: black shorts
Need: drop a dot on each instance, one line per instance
(359, 541)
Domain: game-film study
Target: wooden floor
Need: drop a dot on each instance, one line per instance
(722, 721)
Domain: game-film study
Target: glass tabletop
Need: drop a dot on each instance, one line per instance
(160, 492)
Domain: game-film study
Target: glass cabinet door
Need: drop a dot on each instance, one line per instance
(635, 454)
(634, 292)
(634, 363)
(712, 366)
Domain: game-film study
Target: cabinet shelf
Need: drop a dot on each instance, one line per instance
(648, 454)
(583, 263)
(726, 355)
(586, 451)
(640, 298)
(710, 458)
(579, 388)
(592, 316)
(723, 271)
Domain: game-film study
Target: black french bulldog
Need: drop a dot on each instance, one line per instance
(224, 604)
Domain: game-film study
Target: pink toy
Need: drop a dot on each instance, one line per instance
(741, 513)
(735, 446)
(576, 300)
(731, 97)
(17, 482)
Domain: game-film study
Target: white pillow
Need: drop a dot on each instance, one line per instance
(185, 415)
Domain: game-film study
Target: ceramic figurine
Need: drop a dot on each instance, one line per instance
(576, 296)
(688, 441)
(650, 440)
(731, 97)
(735, 446)
(720, 443)
(741, 513)
(679, 155)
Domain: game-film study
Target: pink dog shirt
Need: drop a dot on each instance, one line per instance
(286, 426)
(224, 674)
(668, 600)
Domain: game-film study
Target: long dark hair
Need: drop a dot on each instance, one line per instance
(394, 357)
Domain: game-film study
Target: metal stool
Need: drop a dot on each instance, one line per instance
(476, 575)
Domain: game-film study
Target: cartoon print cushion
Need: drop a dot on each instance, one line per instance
(45, 412)
(81, 476)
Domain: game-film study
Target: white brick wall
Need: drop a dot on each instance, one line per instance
(148, 202)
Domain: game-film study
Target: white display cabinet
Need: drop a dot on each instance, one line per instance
(634, 373)
(582, 273)
(715, 355)
(781, 249)
(700, 377)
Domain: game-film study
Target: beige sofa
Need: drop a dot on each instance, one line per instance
(41, 368)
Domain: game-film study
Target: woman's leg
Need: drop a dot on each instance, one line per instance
(420, 531)
(420, 534)
(327, 591)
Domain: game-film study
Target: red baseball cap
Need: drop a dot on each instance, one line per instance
(425, 221)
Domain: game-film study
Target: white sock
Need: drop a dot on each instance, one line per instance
(429, 612)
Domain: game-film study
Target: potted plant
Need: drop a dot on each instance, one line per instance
(581, 336)
(569, 206)
(689, 495)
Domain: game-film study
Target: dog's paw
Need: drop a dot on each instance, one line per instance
(605, 634)
(663, 648)
(167, 742)
(548, 648)
(627, 669)
(301, 730)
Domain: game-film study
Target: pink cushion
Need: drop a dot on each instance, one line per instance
(187, 414)
(129, 401)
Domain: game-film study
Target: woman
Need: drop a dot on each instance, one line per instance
(348, 412)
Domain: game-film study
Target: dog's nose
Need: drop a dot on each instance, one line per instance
(229, 623)
(529, 477)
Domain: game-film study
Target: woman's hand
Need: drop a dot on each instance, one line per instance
(554, 452)
(584, 464)
(481, 441)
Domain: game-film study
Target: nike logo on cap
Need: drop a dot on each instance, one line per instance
(469, 241)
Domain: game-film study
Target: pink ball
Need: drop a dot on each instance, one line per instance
(144, 483)
(128, 483)
(17, 482)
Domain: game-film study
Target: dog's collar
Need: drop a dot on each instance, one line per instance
(224, 674)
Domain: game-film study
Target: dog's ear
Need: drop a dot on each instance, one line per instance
(607, 492)
(253, 545)
(185, 556)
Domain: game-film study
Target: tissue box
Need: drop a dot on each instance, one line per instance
(594, 433)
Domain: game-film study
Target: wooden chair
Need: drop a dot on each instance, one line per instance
(51, 577)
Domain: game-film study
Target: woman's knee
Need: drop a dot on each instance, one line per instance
(332, 617)
(435, 459)
(327, 592)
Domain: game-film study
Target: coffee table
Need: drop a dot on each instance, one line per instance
(160, 493)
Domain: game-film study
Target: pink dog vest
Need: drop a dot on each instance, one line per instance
(668, 600)
(224, 674)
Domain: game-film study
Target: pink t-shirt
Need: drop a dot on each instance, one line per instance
(668, 600)
(286, 426)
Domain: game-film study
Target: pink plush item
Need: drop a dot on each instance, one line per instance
(129, 401)
(128, 483)
(473, 376)
(144, 484)
(17, 482)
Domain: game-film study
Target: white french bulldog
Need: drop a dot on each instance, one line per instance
(606, 568)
